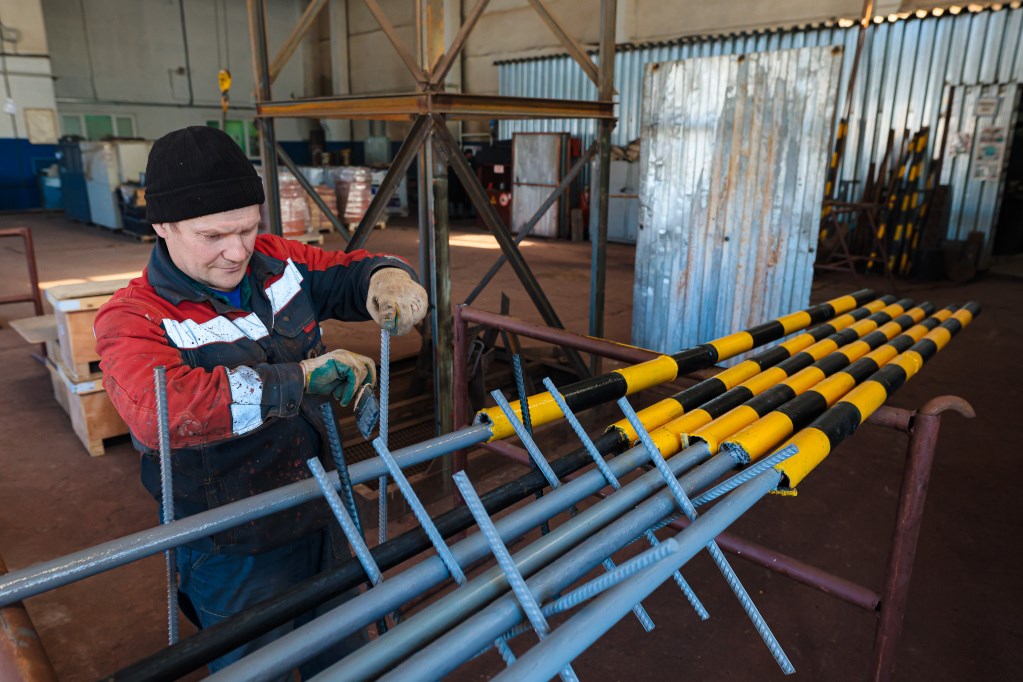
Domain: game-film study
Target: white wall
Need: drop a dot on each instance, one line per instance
(129, 58)
(24, 64)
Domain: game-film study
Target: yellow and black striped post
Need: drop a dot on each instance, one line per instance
(682, 402)
(890, 215)
(628, 380)
(898, 257)
(850, 403)
(829, 184)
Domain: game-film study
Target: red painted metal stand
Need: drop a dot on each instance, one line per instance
(922, 426)
(33, 275)
(22, 656)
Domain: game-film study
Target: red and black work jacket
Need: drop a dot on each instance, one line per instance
(239, 422)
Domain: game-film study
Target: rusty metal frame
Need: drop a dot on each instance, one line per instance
(33, 273)
(921, 425)
(22, 655)
(431, 103)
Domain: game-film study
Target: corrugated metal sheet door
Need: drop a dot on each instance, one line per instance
(734, 155)
(537, 166)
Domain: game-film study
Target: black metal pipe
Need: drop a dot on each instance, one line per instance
(206, 645)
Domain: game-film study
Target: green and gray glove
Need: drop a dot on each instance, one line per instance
(395, 301)
(338, 373)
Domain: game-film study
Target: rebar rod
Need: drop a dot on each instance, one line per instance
(385, 399)
(537, 459)
(167, 498)
(338, 453)
(712, 548)
(597, 617)
(347, 523)
(507, 564)
(613, 481)
(520, 386)
(443, 551)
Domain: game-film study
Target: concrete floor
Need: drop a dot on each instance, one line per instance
(960, 623)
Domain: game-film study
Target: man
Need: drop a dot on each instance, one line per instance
(234, 317)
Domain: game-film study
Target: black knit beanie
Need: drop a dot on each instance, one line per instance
(197, 171)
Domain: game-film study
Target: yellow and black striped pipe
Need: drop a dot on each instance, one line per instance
(682, 402)
(829, 184)
(821, 436)
(769, 432)
(809, 380)
(673, 436)
(628, 380)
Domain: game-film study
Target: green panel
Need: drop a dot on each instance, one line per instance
(125, 126)
(213, 124)
(72, 125)
(253, 139)
(98, 127)
(236, 129)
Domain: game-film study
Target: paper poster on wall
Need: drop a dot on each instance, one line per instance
(989, 152)
(987, 106)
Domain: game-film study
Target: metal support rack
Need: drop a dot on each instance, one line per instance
(429, 109)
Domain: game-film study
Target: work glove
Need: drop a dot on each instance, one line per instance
(338, 373)
(395, 301)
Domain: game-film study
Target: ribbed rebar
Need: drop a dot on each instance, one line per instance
(715, 552)
(338, 453)
(385, 400)
(520, 386)
(580, 432)
(167, 498)
(421, 515)
(347, 524)
(520, 430)
(518, 584)
(746, 474)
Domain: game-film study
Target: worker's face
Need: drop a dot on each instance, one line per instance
(213, 249)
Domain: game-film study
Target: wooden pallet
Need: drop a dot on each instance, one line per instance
(74, 308)
(93, 416)
(307, 238)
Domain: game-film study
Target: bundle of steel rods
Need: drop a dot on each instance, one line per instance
(813, 390)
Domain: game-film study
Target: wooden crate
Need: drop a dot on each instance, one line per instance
(75, 307)
(93, 416)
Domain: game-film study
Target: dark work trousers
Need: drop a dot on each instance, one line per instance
(220, 585)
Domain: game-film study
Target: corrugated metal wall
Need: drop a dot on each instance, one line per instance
(729, 206)
(905, 68)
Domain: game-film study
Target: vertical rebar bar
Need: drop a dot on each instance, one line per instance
(167, 498)
(343, 476)
(385, 403)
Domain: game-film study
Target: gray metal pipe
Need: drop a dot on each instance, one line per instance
(572, 638)
(476, 633)
(47, 575)
(326, 630)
